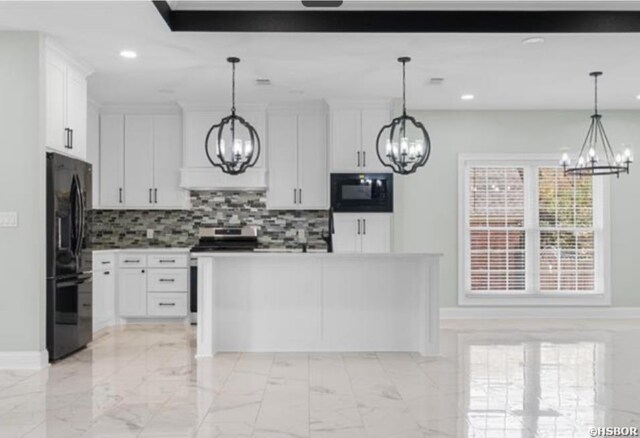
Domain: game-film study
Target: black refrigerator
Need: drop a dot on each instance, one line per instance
(69, 279)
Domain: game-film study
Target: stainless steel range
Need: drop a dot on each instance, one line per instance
(219, 239)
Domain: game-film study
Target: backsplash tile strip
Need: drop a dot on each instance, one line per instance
(179, 228)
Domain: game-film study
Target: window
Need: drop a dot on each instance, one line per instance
(530, 233)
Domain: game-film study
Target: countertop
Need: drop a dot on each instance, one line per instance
(323, 254)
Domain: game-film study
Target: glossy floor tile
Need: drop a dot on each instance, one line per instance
(494, 379)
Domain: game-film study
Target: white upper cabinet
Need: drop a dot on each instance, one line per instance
(111, 161)
(140, 160)
(313, 175)
(65, 103)
(167, 154)
(354, 130)
(298, 174)
(283, 161)
(362, 233)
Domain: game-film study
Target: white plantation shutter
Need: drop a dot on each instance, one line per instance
(567, 247)
(496, 228)
(527, 230)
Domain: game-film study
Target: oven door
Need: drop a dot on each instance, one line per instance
(352, 192)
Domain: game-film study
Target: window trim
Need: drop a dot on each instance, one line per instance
(601, 190)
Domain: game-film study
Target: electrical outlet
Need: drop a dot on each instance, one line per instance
(9, 219)
(302, 235)
(150, 233)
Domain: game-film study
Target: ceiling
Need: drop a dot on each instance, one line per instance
(498, 70)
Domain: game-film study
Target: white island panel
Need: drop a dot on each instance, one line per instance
(317, 302)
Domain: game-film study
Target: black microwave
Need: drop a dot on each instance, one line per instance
(357, 192)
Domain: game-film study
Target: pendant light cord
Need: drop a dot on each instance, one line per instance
(233, 89)
(404, 89)
(596, 94)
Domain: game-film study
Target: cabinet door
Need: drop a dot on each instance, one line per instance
(345, 140)
(376, 233)
(283, 159)
(372, 122)
(103, 298)
(112, 160)
(77, 112)
(132, 292)
(347, 238)
(138, 160)
(313, 175)
(55, 95)
(167, 159)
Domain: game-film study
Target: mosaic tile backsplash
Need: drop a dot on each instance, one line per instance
(172, 228)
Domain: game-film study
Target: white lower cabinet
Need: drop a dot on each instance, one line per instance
(362, 233)
(132, 292)
(104, 289)
(167, 304)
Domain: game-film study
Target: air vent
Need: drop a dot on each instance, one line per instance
(322, 3)
(263, 81)
(436, 81)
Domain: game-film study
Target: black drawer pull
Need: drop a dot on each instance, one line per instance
(106, 262)
(86, 305)
(166, 304)
(167, 280)
(132, 261)
(167, 260)
(107, 273)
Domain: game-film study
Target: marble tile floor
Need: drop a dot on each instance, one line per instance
(534, 379)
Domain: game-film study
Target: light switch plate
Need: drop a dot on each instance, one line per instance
(150, 233)
(8, 219)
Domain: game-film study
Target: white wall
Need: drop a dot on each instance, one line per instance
(426, 204)
(22, 190)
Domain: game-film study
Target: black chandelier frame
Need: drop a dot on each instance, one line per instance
(596, 136)
(402, 165)
(237, 164)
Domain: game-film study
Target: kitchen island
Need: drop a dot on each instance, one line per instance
(254, 302)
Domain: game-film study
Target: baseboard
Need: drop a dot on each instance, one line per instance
(540, 312)
(24, 360)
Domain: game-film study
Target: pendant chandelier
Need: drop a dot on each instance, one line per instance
(245, 150)
(590, 162)
(394, 146)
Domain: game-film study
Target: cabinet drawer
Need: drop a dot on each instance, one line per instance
(164, 304)
(132, 261)
(103, 261)
(167, 280)
(168, 261)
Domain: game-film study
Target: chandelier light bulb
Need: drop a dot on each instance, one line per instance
(237, 147)
(565, 159)
(419, 148)
(388, 148)
(412, 151)
(592, 152)
(618, 159)
(404, 145)
(396, 151)
(248, 148)
(628, 155)
(221, 148)
(581, 162)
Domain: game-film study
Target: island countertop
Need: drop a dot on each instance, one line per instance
(317, 301)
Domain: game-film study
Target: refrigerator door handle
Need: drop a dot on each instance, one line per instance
(59, 232)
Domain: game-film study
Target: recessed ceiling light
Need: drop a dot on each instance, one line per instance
(467, 97)
(533, 40)
(129, 54)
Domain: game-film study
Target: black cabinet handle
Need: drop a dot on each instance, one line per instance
(300, 196)
(294, 197)
(166, 304)
(364, 158)
(68, 139)
(104, 262)
(167, 280)
(71, 142)
(142, 271)
(150, 196)
(107, 273)
(358, 226)
(132, 261)
(86, 305)
(358, 153)
(167, 260)
(364, 226)
(120, 194)
(155, 196)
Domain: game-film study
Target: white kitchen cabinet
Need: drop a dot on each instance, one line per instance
(104, 288)
(353, 138)
(298, 176)
(283, 161)
(132, 292)
(167, 154)
(140, 159)
(112, 160)
(362, 233)
(66, 103)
